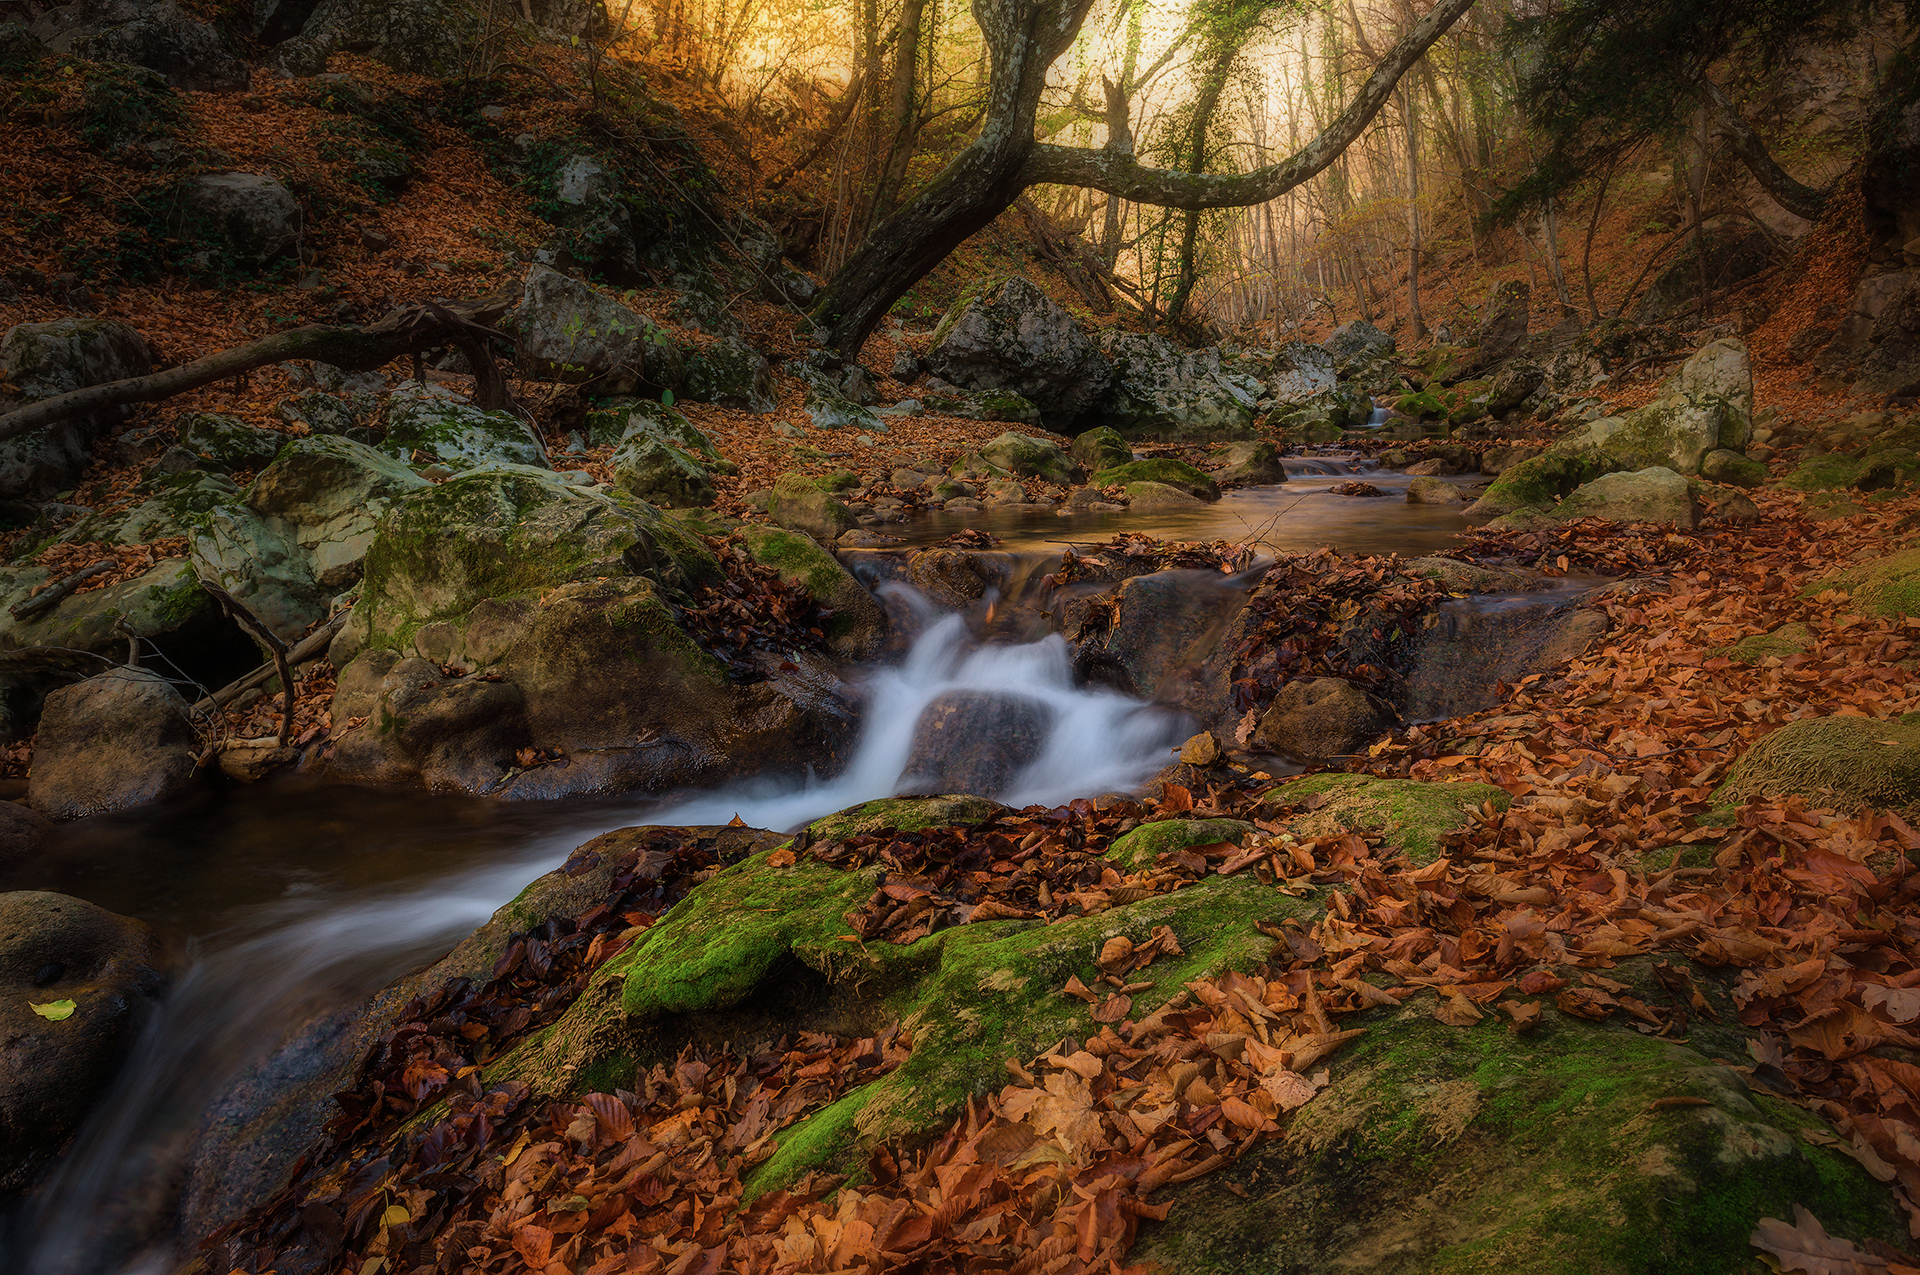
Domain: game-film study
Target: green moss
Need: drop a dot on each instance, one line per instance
(909, 814)
(1788, 639)
(798, 558)
(1846, 762)
(828, 1136)
(1171, 473)
(1830, 472)
(1540, 483)
(1139, 848)
(1413, 817)
(1441, 1149)
(1887, 586)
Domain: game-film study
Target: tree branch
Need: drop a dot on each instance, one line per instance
(1799, 199)
(1121, 175)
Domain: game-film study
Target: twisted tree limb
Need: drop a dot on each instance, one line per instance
(407, 330)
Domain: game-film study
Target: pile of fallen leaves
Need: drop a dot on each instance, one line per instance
(1321, 615)
(262, 716)
(752, 610)
(1594, 546)
(128, 561)
(1133, 553)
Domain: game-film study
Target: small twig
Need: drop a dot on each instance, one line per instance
(305, 649)
(121, 627)
(47, 597)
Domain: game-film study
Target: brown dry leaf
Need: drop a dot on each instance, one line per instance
(781, 858)
(1117, 955)
(1525, 1015)
(1895, 1004)
(1455, 1009)
(1806, 1246)
(1077, 988)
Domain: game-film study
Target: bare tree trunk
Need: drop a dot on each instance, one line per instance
(906, 107)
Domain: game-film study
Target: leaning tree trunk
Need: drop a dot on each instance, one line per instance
(1023, 38)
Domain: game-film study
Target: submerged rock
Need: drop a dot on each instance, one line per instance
(975, 742)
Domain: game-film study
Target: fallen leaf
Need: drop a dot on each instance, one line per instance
(53, 1011)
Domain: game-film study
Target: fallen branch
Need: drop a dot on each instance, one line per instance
(307, 648)
(49, 596)
(251, 622)
(408, 330)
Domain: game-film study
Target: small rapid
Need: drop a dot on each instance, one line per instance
(312, 926)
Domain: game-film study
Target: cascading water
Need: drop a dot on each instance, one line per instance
(267, 969)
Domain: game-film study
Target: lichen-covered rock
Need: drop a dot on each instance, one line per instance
(1321, 418)
(56, 948)
(1410, 816)
(1879, 586)
(1655, 494)
(566, 331)
(654, 470)
(1025, 456)
(1136, 851)
(160, 38)
(42, 360)
(623, 419)
(829, 408)
(1512, 384)
(431, 421)
(1166, 471)
(801, 504)
(1844, 762)
(1618, 1154)
(227, 442)
(1302, 371)
(249, 215)
(1250, 463)
(1316, 718)
(1540, 482)
(1015, 337)
(1102, 448)
(1160, 390)
(1358, 341)
(731, 373)
(112, 742)
(858, 626)
(983, 405)
(427, 37)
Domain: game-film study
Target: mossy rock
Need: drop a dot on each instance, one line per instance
(1028, 457)
(618, 420)
(858, 623)
(1847, 762)
(908, 814)
(1788, 639)
(1540, 483)
(1102, 448)
(1139, 848)
(426, 420)
(1886, 586)
(1145, 496)
(227, 442)
(1829, 472)
(1410, 816)
(972, 995)
(1170, 473)
(807, 504)
(652, 469)
(1442, 1149)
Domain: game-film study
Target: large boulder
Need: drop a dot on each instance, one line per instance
(301, 534)
(1250, 463)
(975, 742)
(94, 978)
(982, 405)
(1160, 390)
(1358, 342)
(1503, 324)
(110, 743)
(227, 442)
(858, 626)
(250, 216)
(1164, 470)
(1101, 448)
(1015, 337)
(432, 423)
(802, 504)
(427, 37)
(42, 360)
(1147, 636)
(649, 468)
(1314, 719)
(1302, 370)
(161, 38)
(566, 331)
(1025, 456)
(1655, 494)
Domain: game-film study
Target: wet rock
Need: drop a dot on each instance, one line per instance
(1160, 390)
(1301, 371)
(950, 578)
(1203, 749)
(975, 742)
(1251, 463)
(55, 949)
(1162, 628)
(112, 742)
(1160, 471)
(1314, 719)
(1465, 577)
(23, 831)
(801, 504)
(431, 421)
(858, 626)
(42, 360)
(1426, 490)
(566, 331)
(1102, 448)
(1150, 495)
(426, 728)
(1015, 337)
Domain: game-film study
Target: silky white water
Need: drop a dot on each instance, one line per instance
(331, 939)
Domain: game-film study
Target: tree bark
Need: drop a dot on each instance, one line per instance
(1797, 198)
(1023, 38)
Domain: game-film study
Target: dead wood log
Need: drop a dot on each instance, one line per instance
(47, 597)
(237, 611)
(404, 331)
